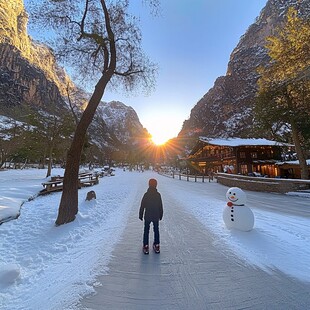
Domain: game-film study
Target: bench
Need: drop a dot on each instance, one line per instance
(57, 178)
(56, 183)
(52, 186)
(88, 179)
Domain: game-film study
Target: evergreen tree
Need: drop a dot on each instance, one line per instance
(50, 133)
(284, 84)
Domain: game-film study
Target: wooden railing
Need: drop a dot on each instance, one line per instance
(188, 177)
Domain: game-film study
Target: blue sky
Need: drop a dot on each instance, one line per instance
(191, 42)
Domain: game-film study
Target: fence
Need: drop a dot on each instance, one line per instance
(187, 177)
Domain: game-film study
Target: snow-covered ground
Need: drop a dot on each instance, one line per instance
(16, 187)
(43, 266)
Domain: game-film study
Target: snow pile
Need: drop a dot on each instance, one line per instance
(9, 273)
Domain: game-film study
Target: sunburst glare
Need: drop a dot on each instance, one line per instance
(159, 140)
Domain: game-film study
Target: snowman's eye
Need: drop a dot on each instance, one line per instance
(229, 193)
(234, 194)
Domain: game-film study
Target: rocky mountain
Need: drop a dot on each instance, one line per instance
(226, 109)
(117, 127)
(122, 120)
(29, 72)
(30, 76)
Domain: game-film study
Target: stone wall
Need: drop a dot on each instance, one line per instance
(262, 184)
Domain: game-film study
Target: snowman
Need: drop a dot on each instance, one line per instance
(236, 214)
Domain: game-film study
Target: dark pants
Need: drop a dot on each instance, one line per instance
(147, 230)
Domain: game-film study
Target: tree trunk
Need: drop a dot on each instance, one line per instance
(3, 159)
(49, 169)
(300, 153)
(68, 207)
(50, 162)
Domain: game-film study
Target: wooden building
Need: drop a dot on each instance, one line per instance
(238, 156)
(291, 169)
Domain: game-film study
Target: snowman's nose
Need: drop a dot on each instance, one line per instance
(232, 197)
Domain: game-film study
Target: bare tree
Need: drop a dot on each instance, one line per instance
(102, 42)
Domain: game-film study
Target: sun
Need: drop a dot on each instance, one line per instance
(161, 131)
(159, 139)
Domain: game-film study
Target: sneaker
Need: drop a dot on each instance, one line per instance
(146, 249)
(156, 248)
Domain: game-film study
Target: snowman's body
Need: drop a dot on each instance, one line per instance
(236, 214)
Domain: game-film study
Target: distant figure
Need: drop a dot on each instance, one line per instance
(91, 195)
(152, 209)
(211, 175)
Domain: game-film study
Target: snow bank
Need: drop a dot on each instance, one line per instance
(16, 187)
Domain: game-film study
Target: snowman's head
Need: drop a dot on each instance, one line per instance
(236, 196)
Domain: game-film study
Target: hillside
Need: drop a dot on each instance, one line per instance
(226, 110)
(31, 77)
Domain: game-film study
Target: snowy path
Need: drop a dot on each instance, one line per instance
(190, 272)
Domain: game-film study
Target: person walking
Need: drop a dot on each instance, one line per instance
(152, 210)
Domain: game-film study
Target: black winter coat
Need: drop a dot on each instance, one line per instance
(152, 205)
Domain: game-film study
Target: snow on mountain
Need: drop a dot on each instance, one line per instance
(226, 110)
(121, 120)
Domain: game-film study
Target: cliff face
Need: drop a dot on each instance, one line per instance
(24, 84)
(13, 25)
(226, 109)
(13, 33)
(30, 75)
